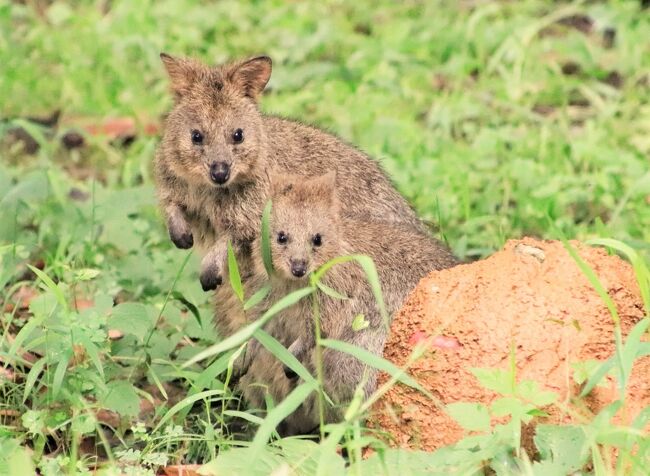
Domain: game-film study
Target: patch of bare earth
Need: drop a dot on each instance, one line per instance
(531, 295)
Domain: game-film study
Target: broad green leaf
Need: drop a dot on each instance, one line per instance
(359, 323)
(240, 462)
(121, 398)
(20, 463)
(511, 406)
(401, 462)
(233, 272)
(86, 274)
(566, 446)
(530, 391)
(329, 446)
(131, 318)
(470, 416)
(498, 380)
(308, 457)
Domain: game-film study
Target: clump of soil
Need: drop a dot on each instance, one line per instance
(531, 295)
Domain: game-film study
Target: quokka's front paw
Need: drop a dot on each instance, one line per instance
(210, 278)
(180, 232)
(213, 266)
(289, 373)
(183, 241)
(297, 350)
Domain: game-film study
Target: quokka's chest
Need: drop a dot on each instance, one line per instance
(236, 215)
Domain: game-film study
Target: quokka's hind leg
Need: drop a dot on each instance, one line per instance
(344, 372)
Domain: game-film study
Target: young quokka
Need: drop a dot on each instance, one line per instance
(308, 229)
(217, 148)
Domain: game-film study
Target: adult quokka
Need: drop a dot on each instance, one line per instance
(217, 149)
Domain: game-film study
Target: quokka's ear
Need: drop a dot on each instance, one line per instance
(183, 73)
(252, 75)
(281, 184)
(324, 188)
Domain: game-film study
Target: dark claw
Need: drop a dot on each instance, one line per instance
(184, 241)
(290, 374)
(210, 281)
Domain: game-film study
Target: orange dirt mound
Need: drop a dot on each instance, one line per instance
(540, 302)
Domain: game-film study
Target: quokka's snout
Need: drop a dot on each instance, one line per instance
(298, 267)
(219, 172)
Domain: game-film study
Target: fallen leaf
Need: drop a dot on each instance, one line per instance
(182, 470)
(114, 334)
(22, 298)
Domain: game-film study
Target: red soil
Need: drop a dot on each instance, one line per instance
(540, 303)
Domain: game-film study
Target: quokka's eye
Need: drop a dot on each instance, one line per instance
(282, 238)
(317, 240)
(197, 137)
(238, 136)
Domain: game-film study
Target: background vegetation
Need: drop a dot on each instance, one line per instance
(496, 119)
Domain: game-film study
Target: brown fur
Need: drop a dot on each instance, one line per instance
(301, 209)
(218, 100)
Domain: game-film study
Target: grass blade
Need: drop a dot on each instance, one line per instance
(22, 335)
(184, 403)
(279, 413)
(233, 272)
(639, 265)
(59, 374)
(605, 297)
(257, 298)
(369, 269)
(210, 373)
(247, 332)
(244, 416)
(177, 295)
(266, 238)
(286, 357)
(51, 285)
(33, 374)
(93, 353)
(331, 292)
(375, 361)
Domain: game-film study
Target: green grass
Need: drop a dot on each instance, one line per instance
(466, 105)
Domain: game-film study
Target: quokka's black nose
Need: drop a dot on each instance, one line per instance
(219, 172)
(298, 268)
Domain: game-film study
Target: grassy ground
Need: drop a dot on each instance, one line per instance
(496, 119)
